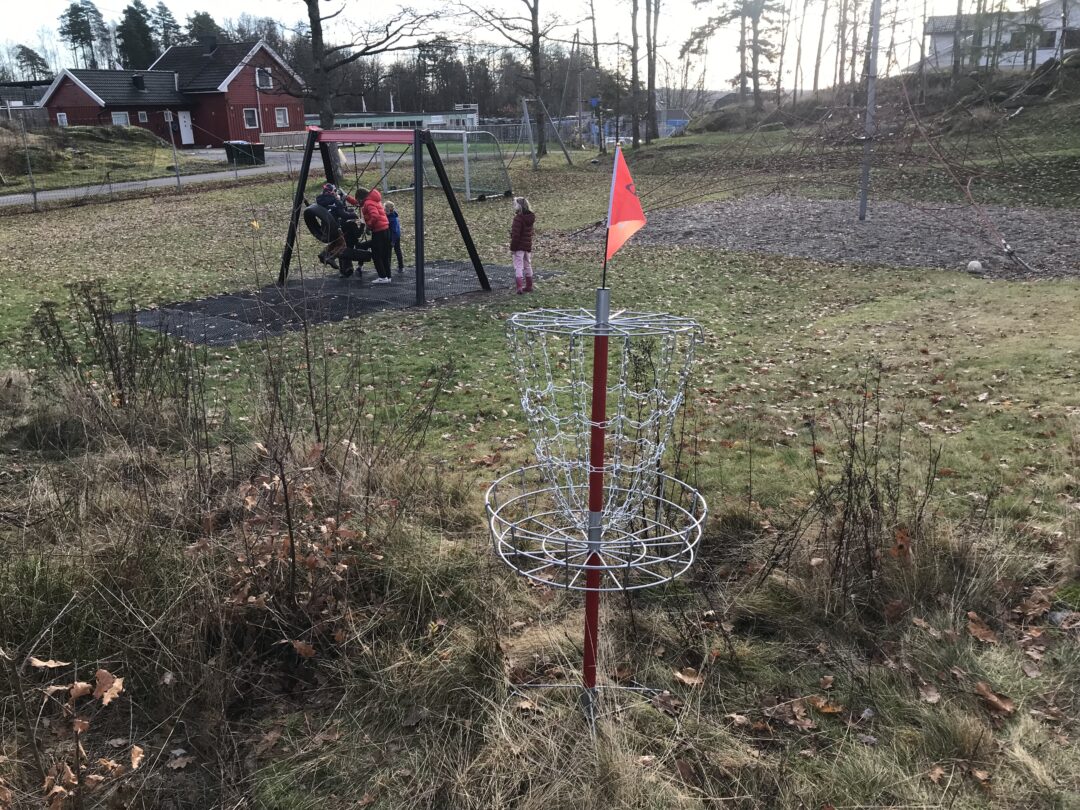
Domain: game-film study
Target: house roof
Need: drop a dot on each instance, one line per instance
(209, 67)
(117, 88)
(29, 93)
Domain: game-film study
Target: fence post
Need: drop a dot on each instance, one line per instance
(29, 168)
(465, 152)
(418, 214)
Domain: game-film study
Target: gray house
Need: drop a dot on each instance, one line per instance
(1009, 40)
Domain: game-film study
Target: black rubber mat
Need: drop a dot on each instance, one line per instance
(224, 320)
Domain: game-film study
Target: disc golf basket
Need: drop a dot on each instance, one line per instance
(596, 512)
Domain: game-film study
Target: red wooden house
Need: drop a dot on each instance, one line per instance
(211, 92)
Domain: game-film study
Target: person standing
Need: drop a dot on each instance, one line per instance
(395, 232)
(521, 239)
(375, 218)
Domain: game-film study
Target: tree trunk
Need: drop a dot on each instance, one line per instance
(820, 45)
(785, 25)
(755, 61)
(596, 64)
(742, 58)
(652, 19)
(798, 55)
(319, 87)
(635, 107)
(841, 38)
(957, 54)
(853, 83)
(535, 57)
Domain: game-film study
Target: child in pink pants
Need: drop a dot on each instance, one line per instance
(521, 237)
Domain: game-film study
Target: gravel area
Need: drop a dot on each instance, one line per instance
(927, 235)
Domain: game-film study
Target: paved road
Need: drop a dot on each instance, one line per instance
(276, 162)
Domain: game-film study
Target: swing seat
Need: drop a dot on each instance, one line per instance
(321, 223)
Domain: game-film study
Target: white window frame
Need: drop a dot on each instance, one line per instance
(279, 113)
(61, 119)
(268, 78)
(143, 117)
(255, 112)
(126, 122)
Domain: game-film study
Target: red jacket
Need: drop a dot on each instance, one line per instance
(521, 232)
(374, 213)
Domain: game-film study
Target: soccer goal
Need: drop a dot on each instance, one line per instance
(439, 257)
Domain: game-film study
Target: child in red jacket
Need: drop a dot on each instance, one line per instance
(521, 236)
(375, 218)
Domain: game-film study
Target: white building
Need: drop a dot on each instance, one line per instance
(1008, 40)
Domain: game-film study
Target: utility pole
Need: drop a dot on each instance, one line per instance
(172, 141)
(29, 168)
(871, 101)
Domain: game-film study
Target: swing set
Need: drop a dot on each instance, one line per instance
(410, 141)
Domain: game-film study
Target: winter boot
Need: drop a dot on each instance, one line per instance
(528, 283)
(520, 288)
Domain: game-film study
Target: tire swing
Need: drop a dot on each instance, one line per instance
(321, 223)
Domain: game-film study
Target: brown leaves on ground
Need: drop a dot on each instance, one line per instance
(667, 703)
(928, 693)
(50, 664)
(901, 549)
(998, 704)
(303, 649)
(980, 630)
(823, 705)
(137, 755)
(108, 686)
(689, 676)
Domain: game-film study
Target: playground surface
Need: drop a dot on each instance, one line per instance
(240, 317)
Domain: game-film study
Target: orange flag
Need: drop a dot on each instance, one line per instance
(625, 217)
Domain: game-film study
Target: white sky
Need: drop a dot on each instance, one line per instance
(24, 22)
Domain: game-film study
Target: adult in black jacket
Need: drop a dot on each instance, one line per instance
(334, 202)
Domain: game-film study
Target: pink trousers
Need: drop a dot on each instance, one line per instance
(523, 263)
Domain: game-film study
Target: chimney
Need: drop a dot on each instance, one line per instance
(139, 81)
(208, 44)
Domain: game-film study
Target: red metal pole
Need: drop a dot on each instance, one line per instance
(596, 491)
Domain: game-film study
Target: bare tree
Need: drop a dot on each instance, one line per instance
(396, 33)
(524, 31)
(635, 81)
(820, 44)
(596, 65)
(797, 81)
(652, 21)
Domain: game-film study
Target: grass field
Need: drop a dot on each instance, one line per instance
(281, 547)
(90, 156)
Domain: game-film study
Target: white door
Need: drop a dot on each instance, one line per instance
(187, 135)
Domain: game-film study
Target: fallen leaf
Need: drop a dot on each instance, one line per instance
(79, 689)
(923, 624)
(689, 676)
(667, 703)
(116, 742)
(303, 649)
(137, 755)
(646, 760)
(823, 705)
(979, 629)
(999, 704)
(526, 705)
(179, 763)
(268, 741)
(935, 774)
(686, 771)
(929, 693)
(108, 686)
(982, 776)
(624, 672)
(80, 725)
(901, 549)
(168, 679)
(826, 681)
(50, 664)
(367, 800)
(894, 610)
(1031, 670)
(866, 739)
(112, 766)
(738, 719)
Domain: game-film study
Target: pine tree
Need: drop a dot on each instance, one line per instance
(201, 24)
(167, 31)
(77, 31)
(135, 41)
(101, 54)
(32, 64)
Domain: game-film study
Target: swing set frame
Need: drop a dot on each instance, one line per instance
(418, 139)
